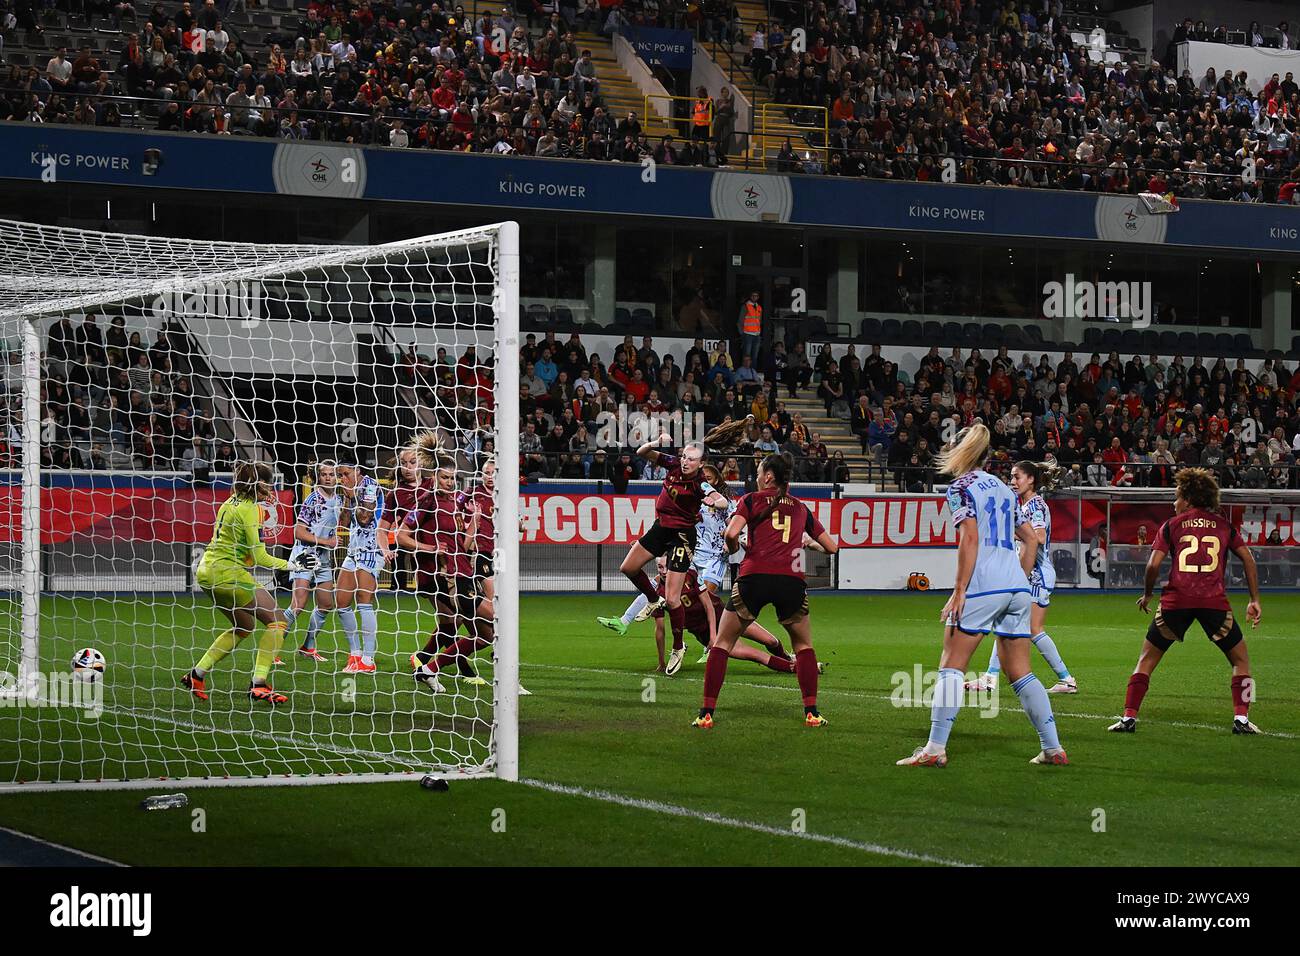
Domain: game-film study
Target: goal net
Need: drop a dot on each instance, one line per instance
(144, 375)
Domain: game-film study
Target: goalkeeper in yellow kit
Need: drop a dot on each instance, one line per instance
(224, 574)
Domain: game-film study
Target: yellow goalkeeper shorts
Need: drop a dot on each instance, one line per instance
(229, 586)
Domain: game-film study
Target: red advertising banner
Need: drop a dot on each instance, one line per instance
(166, 515)
(897, 521)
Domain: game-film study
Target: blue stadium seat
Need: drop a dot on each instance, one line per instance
(1013, 336)
(933, 332)
(1206, 343)
(1243, 343)
(870, 329)
(912, 332)
(1130, 340)
(1168, 342)
(971, 334)
(1224, 343)
(538, 315)
(951, 334)
(1187, 343)
(563, 316)
(1110, 340)
(1150, 340)
(643, 318)
(992, 335)
(1033, 335)
(622, 316)
(1092, 337)
(890, 331)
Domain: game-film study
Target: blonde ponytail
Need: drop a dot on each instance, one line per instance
(967, 453)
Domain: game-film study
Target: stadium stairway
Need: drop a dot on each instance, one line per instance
(731, 59)
(835, 433)
(618, 93)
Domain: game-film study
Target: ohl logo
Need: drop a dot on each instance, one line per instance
(1130, 219)
(751, 196)
(317, 171)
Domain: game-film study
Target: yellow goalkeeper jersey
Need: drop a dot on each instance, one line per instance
(237, 538)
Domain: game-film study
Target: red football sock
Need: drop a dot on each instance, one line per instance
(805, 666)
(1243, 689)
(677, 617)
(644, 585)
(715, 672)
(1137, 689)
(462, 648)
(782, 664)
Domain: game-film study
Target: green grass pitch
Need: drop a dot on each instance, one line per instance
(617, 776)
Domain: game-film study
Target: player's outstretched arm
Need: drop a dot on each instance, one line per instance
(1152, 575)
(1247, 559)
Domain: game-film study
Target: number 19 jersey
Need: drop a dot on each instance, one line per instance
(997, 514)
(1198, 543)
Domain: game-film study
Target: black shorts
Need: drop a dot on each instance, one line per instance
(787, 594)
(677, 543)
(483, 567)
(1171, 625)
(458, 595)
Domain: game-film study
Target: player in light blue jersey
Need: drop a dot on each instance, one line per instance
(368, 552)
(316, 532)
(1029, 480)
(991, 595)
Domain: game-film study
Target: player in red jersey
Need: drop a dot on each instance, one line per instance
(1199, 538)
(480, 532)
(409, 485)
(703, 613)
(780, 527)
(435, 532)
(677, 509)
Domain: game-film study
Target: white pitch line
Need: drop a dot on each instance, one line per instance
(59, 846)
(890, 699)
(672, 810)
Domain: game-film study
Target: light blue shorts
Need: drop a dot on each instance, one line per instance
(713, 571)
(1002, 613)
(323, 572)
(369, 561)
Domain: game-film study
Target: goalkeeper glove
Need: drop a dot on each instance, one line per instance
(306, 561)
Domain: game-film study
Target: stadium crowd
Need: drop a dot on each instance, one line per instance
(998, 87)
(109, 401)
(1105, 421)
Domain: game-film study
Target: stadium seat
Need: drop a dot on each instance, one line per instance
(1092, 337)
(538, 315)
(563, 316)
(891, 331)
(1013, 336)
(1033, 335)
(1225, 344)
(992, 335)
(912, 332)
(1168, 342)
(951, 334)
(1150, 340)
(643, 318)
(622, 316)
(1187, 343)
(970, 335)
(870, 329)
(1130, 340)
(1206, 343)
(1244, 344)
(933, 332)
(1110, 340)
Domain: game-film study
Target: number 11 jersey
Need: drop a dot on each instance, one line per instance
(993, 506)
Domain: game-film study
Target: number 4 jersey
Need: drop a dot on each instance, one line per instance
(777, 523)
(1198, 543)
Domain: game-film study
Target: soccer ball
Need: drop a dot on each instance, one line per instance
(88, 665)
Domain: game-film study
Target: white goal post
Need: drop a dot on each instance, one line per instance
(149, 368)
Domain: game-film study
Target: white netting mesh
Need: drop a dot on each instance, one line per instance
(163, 364)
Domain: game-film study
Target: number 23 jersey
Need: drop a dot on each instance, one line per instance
(1198, 543)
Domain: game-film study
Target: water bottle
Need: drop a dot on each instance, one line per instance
(167, 801)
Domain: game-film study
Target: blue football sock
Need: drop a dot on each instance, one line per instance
(314, 625)
(946, 703)
(995, 665)
(290, 615)
(369, 630)
(1047, 647)
(1038, 708)
(348, 615)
